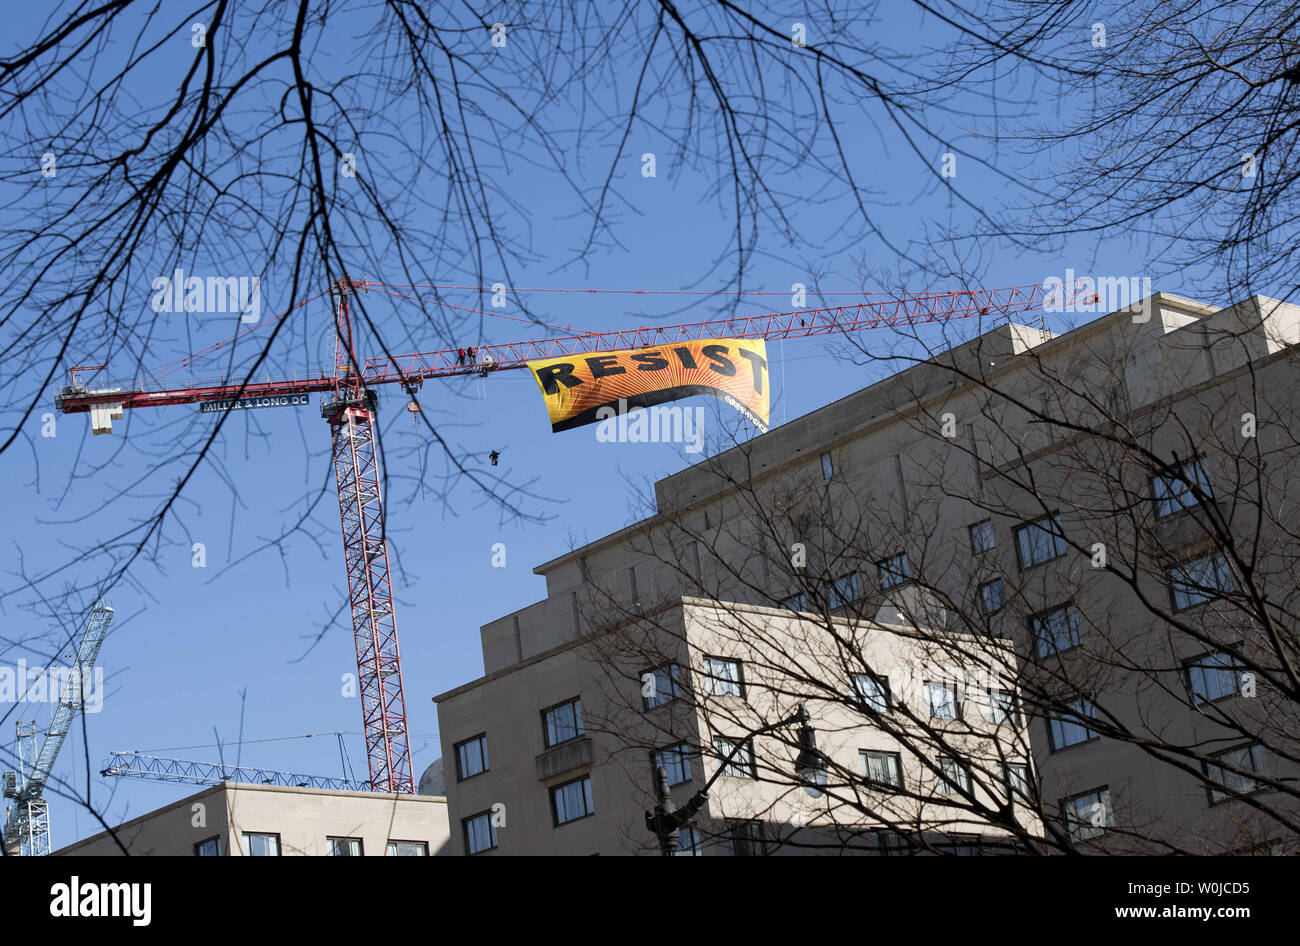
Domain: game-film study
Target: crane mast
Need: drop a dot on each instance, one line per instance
(350, 405)
(27, 825)
(351, 415)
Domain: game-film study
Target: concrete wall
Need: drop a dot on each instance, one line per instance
(303, 817)
(615, 750)
(1167, 357)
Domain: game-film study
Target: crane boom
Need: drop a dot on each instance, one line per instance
(350, 408)
(421, 366)
(19, 827)
(159, 769)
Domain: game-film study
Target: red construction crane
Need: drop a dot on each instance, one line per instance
(350, 405)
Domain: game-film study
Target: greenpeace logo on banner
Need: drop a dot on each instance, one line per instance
(77, 899)
(181, 293)
(657, 424)
(1104, 293)
(251, 403)
(22, 684)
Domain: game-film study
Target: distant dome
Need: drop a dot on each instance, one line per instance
(432, 781)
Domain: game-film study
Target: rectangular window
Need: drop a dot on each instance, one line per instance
(747, 838)
(872, 692)
(742, 765)
(844, 591)
(209, 848)
(471, 757)
(572, 800)
(882, 769)
(893, 571)
(673, 760)
(480, 833)
(992, 598)
(1015, 782)
(1088, 815)
(563, 722)
(1003, 707)
(723, 677)
(1070, 730)
(1199, 580)
(797, 602)
(408, 848)
(1039, 541)
(955, 777)
(1055, 630)
(1213, 677)
(982, 538)
(688, 843)
(261, 845)
(828, 470)
(893, 844)
(1172, 490)
(1226, 784)
(343, 847)
(661, 685)
(941, 697)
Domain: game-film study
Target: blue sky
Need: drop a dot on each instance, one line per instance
(187, 642)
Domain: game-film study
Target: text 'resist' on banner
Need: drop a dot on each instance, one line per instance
(575, 387)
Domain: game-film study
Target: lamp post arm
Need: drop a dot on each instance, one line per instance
(699, 798)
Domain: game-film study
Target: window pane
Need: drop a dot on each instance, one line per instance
(1172, 491)
(747, 839)
(480, 833)
(982, 538)
(882, 768)
(844, 591)
(1072, 731)
(564, 722)
(261, 845)
(1015, 779)
(893, 570)
(1039, 541)
(1247, 758)
(722, 676)
(1199, 579)
(942, 700)
(742, 764)
(408, 849)
(665, 686)
(991, 597)
(1002, 707)
(1055, 630)
(673, 761)
(471, 757)
(1088, 815)
(955, 777)
(688, 843)
(872, 692)
(1213, 677)
(572, 801)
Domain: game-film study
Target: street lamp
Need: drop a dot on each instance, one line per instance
(810, 768)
